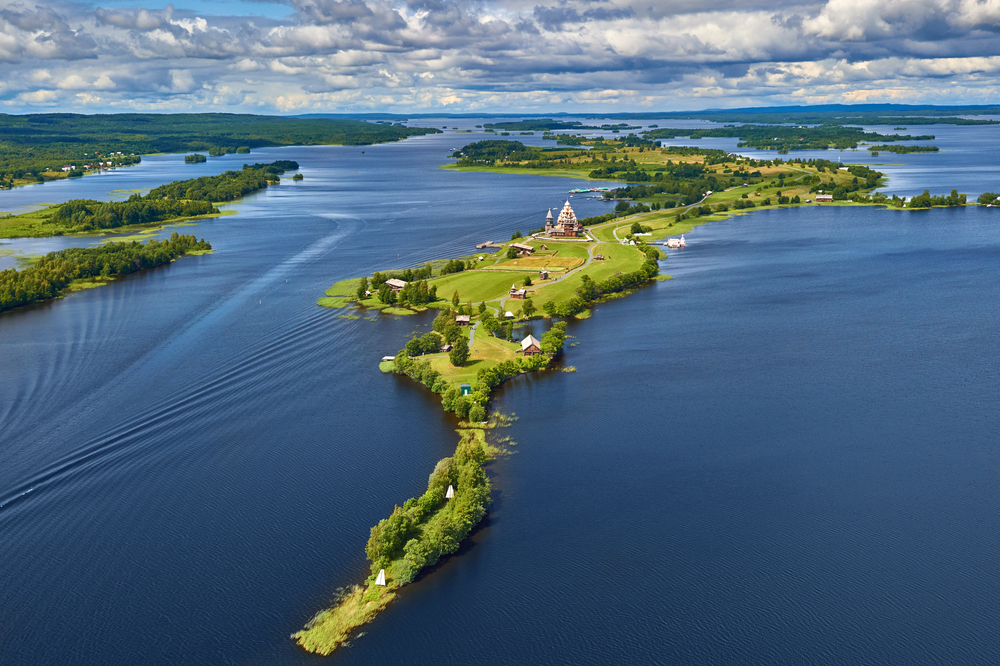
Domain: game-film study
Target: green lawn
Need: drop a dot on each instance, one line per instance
(477, 286)
(619, 258)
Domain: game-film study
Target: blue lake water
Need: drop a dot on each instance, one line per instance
(787, 454)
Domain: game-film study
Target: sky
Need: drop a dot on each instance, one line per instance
(499, 56)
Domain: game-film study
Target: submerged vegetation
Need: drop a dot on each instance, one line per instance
(54, 273)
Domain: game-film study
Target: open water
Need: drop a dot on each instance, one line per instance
(787, 454)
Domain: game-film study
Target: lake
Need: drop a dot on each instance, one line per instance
(787, 454)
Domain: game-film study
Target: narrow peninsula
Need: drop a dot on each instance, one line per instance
(555, 273)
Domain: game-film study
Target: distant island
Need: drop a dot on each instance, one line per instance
(173, 202)
(37, 148)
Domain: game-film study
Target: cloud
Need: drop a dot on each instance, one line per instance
(512, 54)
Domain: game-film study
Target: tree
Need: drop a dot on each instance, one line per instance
(454, 298)
(527, 280)
(477, 413)
(386, 294)
(452, 332)
(589, 290)
(429, 343)
(550, 308)
(362, 288)
(414, 348)
(516, 235)
(489, 322)
(511, 253)
(459, 353)
(482, 309)
(528, 309)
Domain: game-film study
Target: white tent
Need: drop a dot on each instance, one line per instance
(451, 492)
(381, 578)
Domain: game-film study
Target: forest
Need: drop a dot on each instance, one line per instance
(547, 124)
(783, 138)
(180, 199)
(51, 275)
(834, 114)
(183, 198)
(903, 149)
(227, 186)
(31, 145)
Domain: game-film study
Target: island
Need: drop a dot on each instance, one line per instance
(58, 273)
(174, 202)
(556, 273)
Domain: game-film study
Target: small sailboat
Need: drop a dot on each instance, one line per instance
(451, 492)
(381, 578)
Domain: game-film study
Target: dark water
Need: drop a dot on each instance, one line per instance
(787, 454)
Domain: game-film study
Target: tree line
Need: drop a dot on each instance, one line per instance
(49, 276)
(33, 143)
(227, 186)
(418, 533)
(785, 138)
(184, 198)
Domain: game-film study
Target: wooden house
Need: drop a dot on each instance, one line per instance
(462, 320)
(395, 285)
(523, 249)
(530, 346)
(543, 274)
(517, 294)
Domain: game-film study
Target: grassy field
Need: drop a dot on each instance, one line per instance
(486, 351)
(537, 263)
(477, 286)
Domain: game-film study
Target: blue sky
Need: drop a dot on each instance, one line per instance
(531, 56)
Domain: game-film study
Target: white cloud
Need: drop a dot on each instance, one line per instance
(512, 54)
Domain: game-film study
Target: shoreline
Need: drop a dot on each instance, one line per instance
(142, 229)
(94, 267)
(333, 627)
